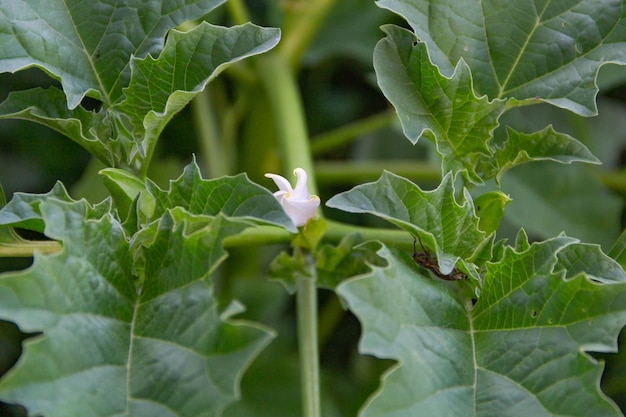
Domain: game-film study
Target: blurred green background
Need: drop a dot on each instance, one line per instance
(341, 98)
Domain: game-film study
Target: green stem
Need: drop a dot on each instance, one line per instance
(27, 249)
(254, 236)
(301, 25)
(306, 305)
(238, 12)
(343, 135)
(282, 89)
(337, 231)
(208, 135)
(343, 172)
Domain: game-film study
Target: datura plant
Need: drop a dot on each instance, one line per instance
(481, 274)
(297, 202)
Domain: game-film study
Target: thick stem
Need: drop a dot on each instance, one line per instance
(28, 249)
(238, 11)
(306, 304)
(208, 135)
(282, 90)
(284, 96)
(342, 172)
(302, 23)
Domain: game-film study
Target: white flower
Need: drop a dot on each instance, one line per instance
(299, 205)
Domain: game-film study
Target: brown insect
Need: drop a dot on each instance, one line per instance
(425, 260)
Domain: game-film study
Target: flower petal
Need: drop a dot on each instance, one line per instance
(300, 211)
(281, 182)
(299, 205)
(301, 192)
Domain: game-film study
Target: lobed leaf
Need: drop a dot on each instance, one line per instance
(160, 87)
(117, 328)
(448, 228)
(525, 50)
(88, 44)
(461, 124)
(232, 197)
(519, 351)
(444, 110)
(49, 108)
(545, 145)
(24, 208)
(116, 54)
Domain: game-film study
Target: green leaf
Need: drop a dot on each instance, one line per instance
(333, 264)
(24, 208)
(349, 258)
(444, 226)
(545, 145)
(444, 110)
(125, 188)
(107, 51)
(490, 209)
(286, 269)
(523, 49)
(49, 108)
(519, 351)
(161, 87)
(233, 197)
(117, 328)
(448, 112)
(589, 259)
(310, 234)
(88, 45)
(8, 237)
(618, 251)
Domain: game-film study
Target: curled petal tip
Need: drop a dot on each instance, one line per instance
(297, 202)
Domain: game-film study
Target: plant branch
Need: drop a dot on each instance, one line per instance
(342, 172)
(306, 305)
(284, 96)
(301, 24)
(28, 249)
(208, 135)
(238, 11)
(343, 135)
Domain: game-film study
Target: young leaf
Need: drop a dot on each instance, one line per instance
(546, 144)
(490, 209)
(8, 237)
(448, 228)
(444, 110)
(448, 112)
(160, 87)
(120, 340)
(522, 49)
(519, 351)
(125, 188)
